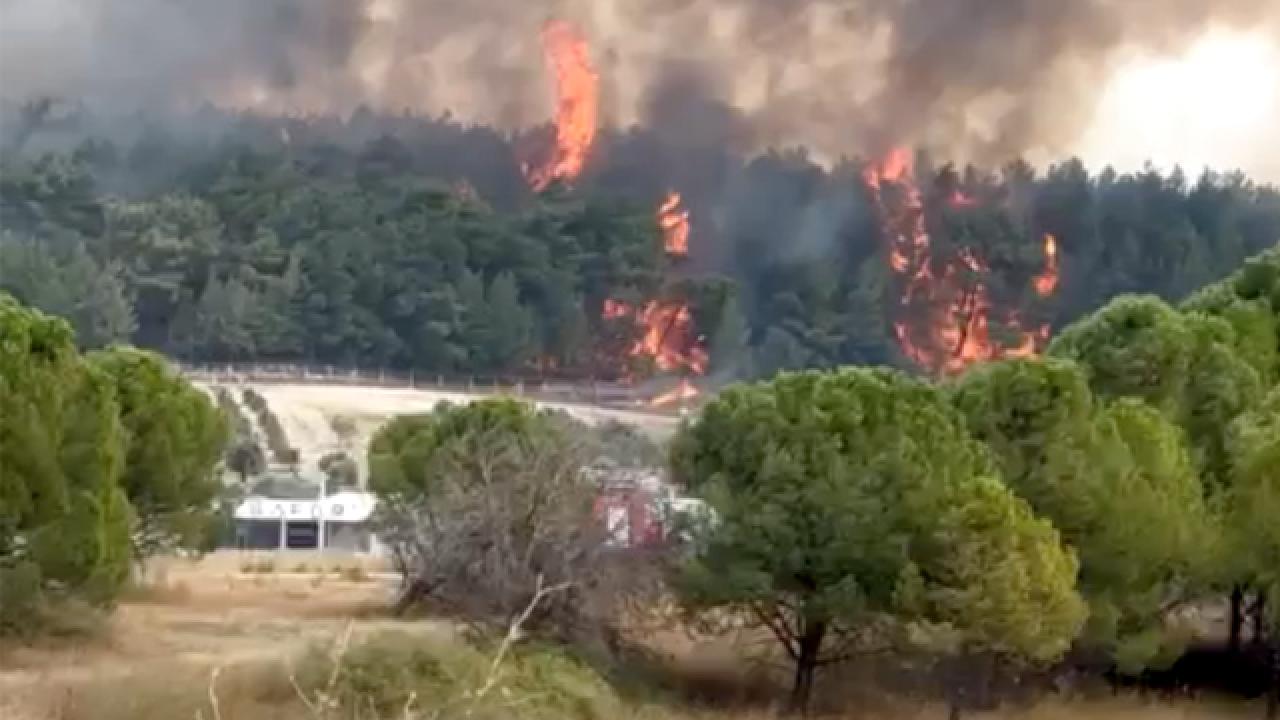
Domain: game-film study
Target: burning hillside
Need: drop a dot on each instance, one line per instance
(945, 315)
(614, 210)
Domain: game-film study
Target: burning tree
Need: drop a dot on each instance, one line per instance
(952, 310)
(577, 89)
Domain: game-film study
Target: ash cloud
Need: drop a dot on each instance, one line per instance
(978, 78)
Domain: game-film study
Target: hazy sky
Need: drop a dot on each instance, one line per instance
(1217, 104)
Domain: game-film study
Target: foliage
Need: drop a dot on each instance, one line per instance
(1254, 498)
(341, 471)
(415, 243)
(277, 439)
(1249, 300)
(853, 502)
(64, 517)
(174, 439)
(1183, 364)
(246, 459)
(1116, 479)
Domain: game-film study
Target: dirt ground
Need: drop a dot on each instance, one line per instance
(194, 616)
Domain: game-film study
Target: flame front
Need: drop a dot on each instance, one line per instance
(680, 393)
(674, 221)
(944, 316)
(577, 87)
(667, 335)
(1047, 281)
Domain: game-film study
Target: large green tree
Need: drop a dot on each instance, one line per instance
(64, 519)
(1117, 479)
(174, 439)
(850, 502)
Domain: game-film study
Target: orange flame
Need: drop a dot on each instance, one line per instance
(944, 312)
(682, 392)
(667, 335)
(577, 103)
(674, 221)
(1047, 281)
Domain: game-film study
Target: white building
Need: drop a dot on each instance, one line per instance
(299, 515)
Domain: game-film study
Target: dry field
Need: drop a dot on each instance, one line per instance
(221, 639)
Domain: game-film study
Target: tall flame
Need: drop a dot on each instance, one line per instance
(674, 221)
(667, 335)
(945, 311)
(577, 103)
(1047, 281)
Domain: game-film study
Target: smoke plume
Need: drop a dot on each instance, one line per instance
(980, 78)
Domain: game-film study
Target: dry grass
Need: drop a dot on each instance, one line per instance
(268, 638)
(431, 680)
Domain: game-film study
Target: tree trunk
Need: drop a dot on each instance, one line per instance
(807, 666)
(1273, 667)
(1259, 620)
(1273, 694)
(1237, 619)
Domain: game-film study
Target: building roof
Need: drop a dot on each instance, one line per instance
(342, 507)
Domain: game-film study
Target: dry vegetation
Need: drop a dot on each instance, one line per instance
(206, 640)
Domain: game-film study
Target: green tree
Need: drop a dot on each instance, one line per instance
(341, 471)
(401, 452)
(1183, 364)
(509, 323)
(1118, 482)
(850, 502)
(222, 322)
(175, 440)
(246, 459)
(1253, 498)
(63, 516)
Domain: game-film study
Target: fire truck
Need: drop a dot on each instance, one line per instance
(639, 508)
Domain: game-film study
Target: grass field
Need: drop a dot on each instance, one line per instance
(307, 637)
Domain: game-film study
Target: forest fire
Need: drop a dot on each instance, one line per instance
(1047, 281)
(577, 87)
(667, 335)
(944, 317)
(682, 392)
(674, 221)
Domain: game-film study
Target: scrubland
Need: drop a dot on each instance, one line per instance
(310, 637)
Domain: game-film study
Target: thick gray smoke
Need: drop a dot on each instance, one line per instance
(978, 77)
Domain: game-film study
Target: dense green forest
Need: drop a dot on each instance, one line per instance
(415, 244)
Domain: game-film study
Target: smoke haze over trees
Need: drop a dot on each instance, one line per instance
(976, 78)
(411, 242)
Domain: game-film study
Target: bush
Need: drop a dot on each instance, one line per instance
(444, 678)
(21, 599)
(485, 506)
(277, 440)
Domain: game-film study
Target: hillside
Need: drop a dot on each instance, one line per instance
(308, 414)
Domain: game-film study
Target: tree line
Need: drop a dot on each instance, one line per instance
(413, 243)
(105, 459)
(1076, 509)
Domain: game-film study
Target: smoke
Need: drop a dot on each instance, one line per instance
(977, 78)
